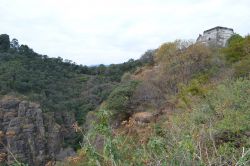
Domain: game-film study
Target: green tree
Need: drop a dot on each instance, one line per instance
(4, 43)
(235, 50)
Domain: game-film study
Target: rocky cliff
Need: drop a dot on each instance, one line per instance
(31, 136)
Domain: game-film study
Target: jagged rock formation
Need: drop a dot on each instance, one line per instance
(217, 36)
(31, 136)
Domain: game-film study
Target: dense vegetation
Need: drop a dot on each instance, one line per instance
(201, 98)
(57, 84)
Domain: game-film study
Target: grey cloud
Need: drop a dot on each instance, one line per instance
(95, 32)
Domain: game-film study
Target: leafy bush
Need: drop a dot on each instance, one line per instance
(242, 68)
(119, 99)
(238, 47)
(166, 52)
(179, 66)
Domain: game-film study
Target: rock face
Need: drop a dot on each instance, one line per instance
(29, 135)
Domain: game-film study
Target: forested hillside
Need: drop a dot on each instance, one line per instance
(57, 84)
(181, 104)
(191, 107)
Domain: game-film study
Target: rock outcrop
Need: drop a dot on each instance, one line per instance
(143, 117)
(31, 136)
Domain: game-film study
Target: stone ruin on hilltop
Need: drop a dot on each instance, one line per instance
(217, 36)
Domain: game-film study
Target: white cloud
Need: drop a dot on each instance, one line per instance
(113, 31)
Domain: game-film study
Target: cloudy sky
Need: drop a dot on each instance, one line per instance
(113, 31)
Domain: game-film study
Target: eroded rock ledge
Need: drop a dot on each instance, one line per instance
(31, 136)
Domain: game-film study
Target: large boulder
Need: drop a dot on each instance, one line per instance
(143, 117)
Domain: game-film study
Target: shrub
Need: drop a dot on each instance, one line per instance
(166, 52)
(126, 77)
(242, 68)
(119, 99)
(238, 47)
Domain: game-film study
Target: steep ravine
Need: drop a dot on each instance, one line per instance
(32, 136)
